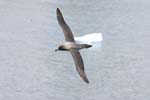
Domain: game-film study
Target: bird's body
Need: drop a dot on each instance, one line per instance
(71, 46)
(66, 46)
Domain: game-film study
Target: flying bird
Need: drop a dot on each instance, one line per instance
(71, 46)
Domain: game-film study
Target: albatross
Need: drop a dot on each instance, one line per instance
(71, 46)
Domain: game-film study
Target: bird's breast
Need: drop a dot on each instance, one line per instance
(70, 45)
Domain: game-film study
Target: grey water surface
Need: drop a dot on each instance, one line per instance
(118, 70)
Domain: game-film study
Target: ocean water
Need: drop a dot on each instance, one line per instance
(119, 69)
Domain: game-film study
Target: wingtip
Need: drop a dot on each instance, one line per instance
(58, 11)
(87, 81)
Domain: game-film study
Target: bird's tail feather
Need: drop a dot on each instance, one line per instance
(86, 45)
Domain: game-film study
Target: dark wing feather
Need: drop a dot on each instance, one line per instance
(67, 32)
(79, 64)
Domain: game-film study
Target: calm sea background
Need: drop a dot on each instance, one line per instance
(31, 70)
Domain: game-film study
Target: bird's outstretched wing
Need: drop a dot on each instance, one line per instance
(79, 64)
(67, 32)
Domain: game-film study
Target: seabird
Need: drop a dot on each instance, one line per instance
(71, 46)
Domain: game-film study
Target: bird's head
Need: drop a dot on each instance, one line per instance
(61, 47)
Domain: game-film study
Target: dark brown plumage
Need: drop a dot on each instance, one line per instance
(67, 32)
(70, 45)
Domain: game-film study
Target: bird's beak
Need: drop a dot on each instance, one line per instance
(56, 50)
